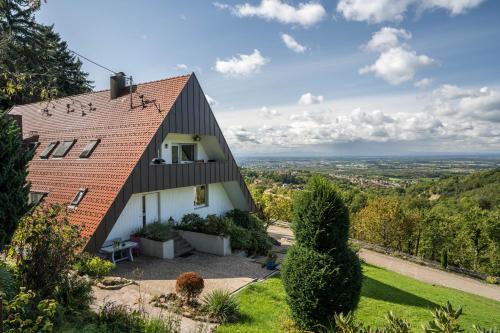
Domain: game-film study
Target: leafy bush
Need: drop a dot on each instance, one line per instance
(119, 318)
(189, 285)
(321, 274)
(94, 266)
(76, 294)
(157, 231)
(45, 247)
(221, 306)
(24, 314)
(241, 218)
(216, 225)
(8, 283)
(191, 222)
(240, 237)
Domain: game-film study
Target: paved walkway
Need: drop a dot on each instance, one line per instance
(157, 276)
(416, 271)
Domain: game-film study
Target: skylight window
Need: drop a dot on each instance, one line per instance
(47, 151)
(89, 148)
(63, 148)
(78, 197)
(35, 197)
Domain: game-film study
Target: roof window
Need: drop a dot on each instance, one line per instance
(89, 148)
(63, 148)
(49, 149)
(78, 197)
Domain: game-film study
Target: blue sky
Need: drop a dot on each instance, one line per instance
(311, 77)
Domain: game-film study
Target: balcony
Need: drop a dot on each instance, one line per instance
(165, 176)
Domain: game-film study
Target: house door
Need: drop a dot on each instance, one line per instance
(150, 208)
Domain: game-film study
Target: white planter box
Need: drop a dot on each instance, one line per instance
(218, 245)
(163, 250)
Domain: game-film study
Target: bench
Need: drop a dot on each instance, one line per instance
(111, 247)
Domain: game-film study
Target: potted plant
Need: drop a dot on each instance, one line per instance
(271, 260)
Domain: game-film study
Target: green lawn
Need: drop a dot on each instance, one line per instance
(263, 304)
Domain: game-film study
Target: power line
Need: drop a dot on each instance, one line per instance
(95, 63)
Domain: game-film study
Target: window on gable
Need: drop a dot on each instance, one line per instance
(78, 197)
(201, 196)
(63, 148)
(49, 149)
(187, 153)
(89, 148)
(35, 197)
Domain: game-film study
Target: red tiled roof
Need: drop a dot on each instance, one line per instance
(124, 135)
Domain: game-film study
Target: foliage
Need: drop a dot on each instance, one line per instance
(241, 219)
(119, 318)
(75, 294)
(158, 231)
(35, 63)
(445, 320)
(189, 285)
(444, 258)
(14, 160)
(191, 222)
(221, 306)
(161, 325)
(320, 284)
(44, 248)
(8, 283)
(246, 231)
(91, 265)
(25, 314)
(321, 274)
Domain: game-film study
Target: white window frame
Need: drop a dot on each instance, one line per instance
(205, 204)
(36, 202)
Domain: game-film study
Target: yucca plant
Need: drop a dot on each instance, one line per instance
(221, 306)
(445, 320)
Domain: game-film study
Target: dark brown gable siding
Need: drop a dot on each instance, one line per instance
(190, 114)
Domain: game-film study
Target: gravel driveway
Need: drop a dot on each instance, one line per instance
(418, 272)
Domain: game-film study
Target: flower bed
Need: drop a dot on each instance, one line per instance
(218, 245)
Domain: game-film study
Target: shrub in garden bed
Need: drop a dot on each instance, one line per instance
(157, 231)
(93, 266)
(246, 231)
(221, 306)
(189, 285)
(8, 283)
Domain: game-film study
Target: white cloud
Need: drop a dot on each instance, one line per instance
(308, 99)
(242, 65)
(220, 5)
(181, 67)
(373, 11)
(397, 63)
(423, 83)
(304, 14)
(387, 38)
(455, 7)
(450, 118)
(292, 44)
(212, 102)
(376, 11)
(267, 112)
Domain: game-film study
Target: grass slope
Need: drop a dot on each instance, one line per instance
(263, 304)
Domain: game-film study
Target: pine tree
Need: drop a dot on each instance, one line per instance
(14, 188)
(35, 63)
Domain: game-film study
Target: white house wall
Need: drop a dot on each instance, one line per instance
(174, 203)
